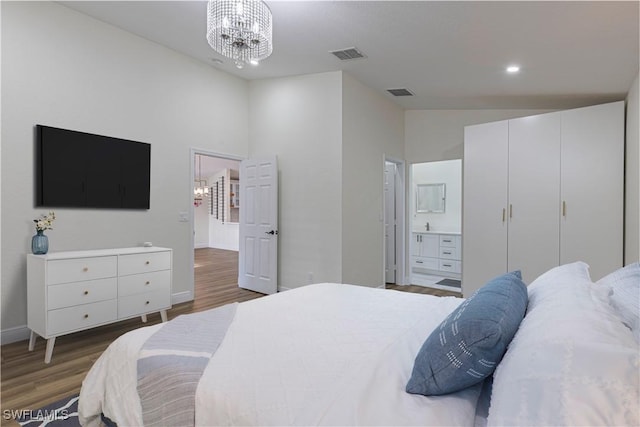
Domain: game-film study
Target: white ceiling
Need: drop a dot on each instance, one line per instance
(450, 54)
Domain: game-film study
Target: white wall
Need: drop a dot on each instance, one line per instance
(372, 127)
(299, 119)
(632, 178)
(64, 69)
(448, 172)
(439, 134)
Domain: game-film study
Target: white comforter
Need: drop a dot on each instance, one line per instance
(326, 354)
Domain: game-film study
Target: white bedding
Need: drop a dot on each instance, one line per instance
(326, 354)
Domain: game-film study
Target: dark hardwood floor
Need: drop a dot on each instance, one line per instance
(29, 383)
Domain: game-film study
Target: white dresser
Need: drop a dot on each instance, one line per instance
(73, 291)
(437, 254)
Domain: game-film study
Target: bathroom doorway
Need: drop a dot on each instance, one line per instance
(435, 225)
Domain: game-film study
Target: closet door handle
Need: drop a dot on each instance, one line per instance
(504, 214)
(564, 208)
(510, 211)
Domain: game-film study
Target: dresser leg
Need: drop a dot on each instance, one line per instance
(163, 315)
(144, 318)
(32, 341)
(49, 351)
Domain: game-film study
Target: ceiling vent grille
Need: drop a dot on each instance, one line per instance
(400, 92)
(348, 54)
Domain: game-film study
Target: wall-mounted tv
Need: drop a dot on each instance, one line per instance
(78, 169)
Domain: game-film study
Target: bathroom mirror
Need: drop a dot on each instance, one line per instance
(430, 198)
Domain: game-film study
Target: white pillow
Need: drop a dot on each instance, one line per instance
(624, 295)
(572, 362)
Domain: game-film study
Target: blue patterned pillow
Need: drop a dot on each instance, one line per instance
(470, 342)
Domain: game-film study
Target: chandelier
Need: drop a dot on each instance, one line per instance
(240, 30)
(199, 190)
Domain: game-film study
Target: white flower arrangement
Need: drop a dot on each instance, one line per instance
(45, 222)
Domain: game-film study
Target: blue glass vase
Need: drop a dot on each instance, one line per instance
(39, 243)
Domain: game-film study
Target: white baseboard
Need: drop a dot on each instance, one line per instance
(21, 333)
(181, 297)
(18, 333)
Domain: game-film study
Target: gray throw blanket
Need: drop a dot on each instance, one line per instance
(172, 361)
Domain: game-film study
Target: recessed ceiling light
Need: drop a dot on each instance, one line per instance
(512, 69)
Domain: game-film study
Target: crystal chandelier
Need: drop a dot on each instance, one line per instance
(240, 30)
(199, 190)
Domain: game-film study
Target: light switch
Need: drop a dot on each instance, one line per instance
(183, 216)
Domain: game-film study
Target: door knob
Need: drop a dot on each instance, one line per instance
(272, 232)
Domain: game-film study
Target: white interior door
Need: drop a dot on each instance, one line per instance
(258, 256)
(390, 222)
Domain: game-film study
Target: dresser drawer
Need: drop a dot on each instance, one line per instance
(81, 269)
(70, 294)
(81, 316)
(424, 262)
(450, 266)
(145, 282)
(135, 305)
(448, 241)
(142, 263)
(449, 252)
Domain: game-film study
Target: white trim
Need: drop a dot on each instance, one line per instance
(180, 297)
(15, 334)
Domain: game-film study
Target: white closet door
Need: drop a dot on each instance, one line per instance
(534, 194)
(484, 225)
(592, 187)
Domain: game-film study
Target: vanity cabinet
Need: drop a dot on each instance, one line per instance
(435, 254)
(73, 291)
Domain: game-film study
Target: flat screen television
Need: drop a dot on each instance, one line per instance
(78, 169)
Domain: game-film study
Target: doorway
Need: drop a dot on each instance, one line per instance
(436, 221)
(214, 216)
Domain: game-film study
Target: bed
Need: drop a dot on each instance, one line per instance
(337, 354)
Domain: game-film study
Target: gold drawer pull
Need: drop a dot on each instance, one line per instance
(86, 292)
(85, 269)
(147, 263)
(86, 316)
(147, 302)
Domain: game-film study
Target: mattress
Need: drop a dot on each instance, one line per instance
(324, 354)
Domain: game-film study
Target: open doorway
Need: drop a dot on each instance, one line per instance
(436, 221)
(215, 213)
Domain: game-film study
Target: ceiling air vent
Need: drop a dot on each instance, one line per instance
(400, 92)
(348, 53)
